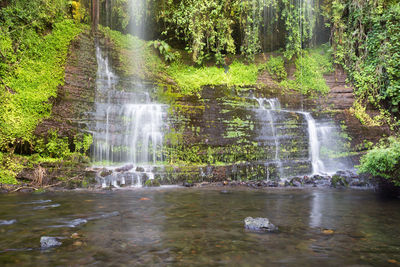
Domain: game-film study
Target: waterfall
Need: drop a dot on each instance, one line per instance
(317, 164)
(269, 107)
(273, 105)
(127, 124)
(127, 127)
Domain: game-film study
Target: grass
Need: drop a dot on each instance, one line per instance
(191, 79)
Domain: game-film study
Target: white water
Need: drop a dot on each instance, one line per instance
(273, 105)
(317, 164)
(128, 127)
(317, 134)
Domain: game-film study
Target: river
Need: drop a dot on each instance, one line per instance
(201, 226)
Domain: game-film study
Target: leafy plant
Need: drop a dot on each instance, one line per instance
(165, 50)
(383, 160)
(276, 67)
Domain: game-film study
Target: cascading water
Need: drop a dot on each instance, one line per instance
(128, 130)
(128, 133)
(317, 136)
(273, 105)
(317, 164)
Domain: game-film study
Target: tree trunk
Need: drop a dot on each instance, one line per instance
(95, 15)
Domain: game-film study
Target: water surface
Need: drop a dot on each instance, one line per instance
(193, 227)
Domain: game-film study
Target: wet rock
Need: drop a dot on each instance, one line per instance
(338, 181)
(345, 177)
(270, 183)
(104, 172)
(358, 183)
(296, 182)
(49, 242)
(124, 168)
(140, 169)
(188, 184)
(259, 225)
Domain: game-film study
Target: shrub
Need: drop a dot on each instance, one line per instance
(383, 161)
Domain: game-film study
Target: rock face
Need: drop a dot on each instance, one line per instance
(49, 242)
(259, 225)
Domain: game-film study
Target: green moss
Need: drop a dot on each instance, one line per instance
(338, 181)
(191, 79)
(152, 183)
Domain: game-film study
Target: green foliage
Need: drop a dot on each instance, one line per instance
(300, 19)
(9, 167)
(57, 147)
(79, 12)
(190, 79)
(83, 142)
(24, 102)
(165, 50)
(366, 41)
(383, 161)
(311, 65)
(152, 183)
(204, 25)
(276, 67)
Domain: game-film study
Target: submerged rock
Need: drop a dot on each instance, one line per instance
(259, 225)
(49, 242)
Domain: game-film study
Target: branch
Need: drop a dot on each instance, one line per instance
(24, 187)
(61, 182)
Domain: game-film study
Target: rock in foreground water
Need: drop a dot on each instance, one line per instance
(48, 242)
(259, 225)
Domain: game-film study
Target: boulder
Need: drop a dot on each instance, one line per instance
(259, 225)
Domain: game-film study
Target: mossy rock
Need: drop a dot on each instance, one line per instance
(338, 181)
(152, 183)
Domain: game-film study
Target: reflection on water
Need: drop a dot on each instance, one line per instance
(189, 227)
